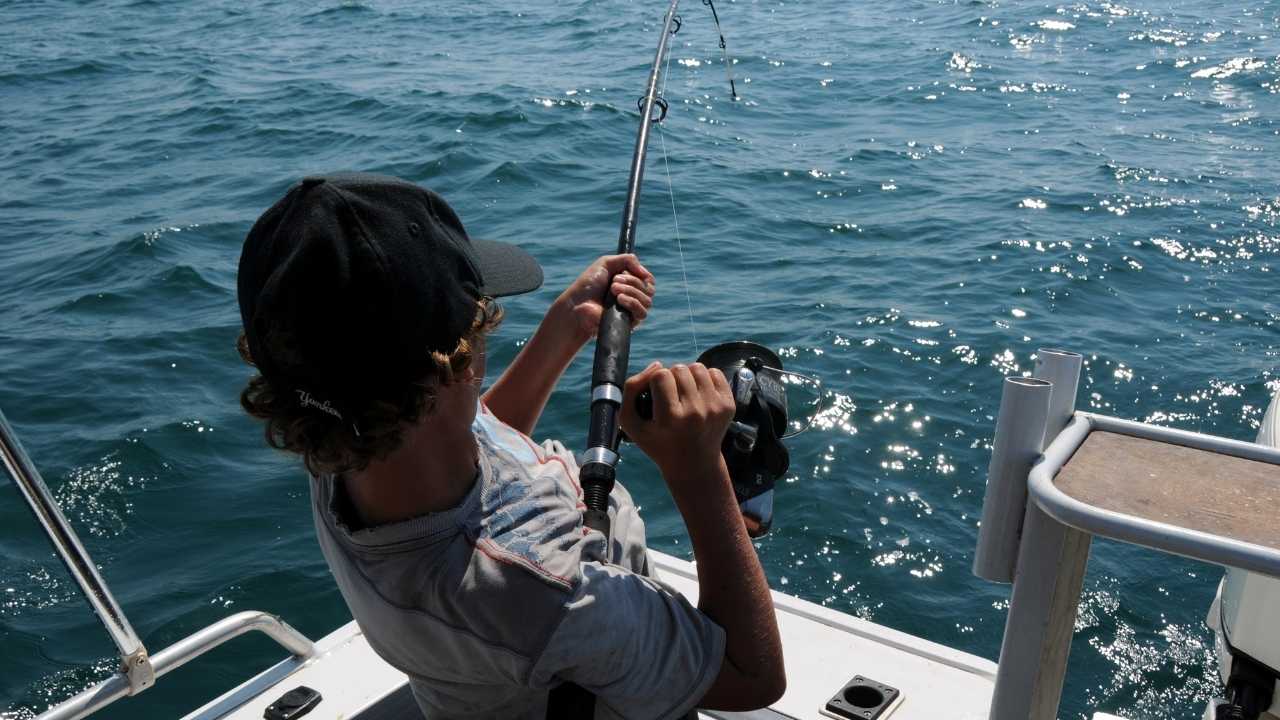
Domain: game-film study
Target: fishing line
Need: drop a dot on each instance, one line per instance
(675, 218)
(791, 377)
(666, 163)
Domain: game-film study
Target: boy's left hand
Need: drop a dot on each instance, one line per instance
(624, 276)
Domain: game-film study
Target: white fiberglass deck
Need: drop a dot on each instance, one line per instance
(824, 649)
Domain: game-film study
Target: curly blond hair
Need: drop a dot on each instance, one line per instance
(373, 429)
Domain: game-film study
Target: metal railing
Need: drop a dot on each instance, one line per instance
(133, 656)
(182, 652)
(1038, 537)
(138, 670)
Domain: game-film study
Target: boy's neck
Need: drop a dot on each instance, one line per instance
(433, 470)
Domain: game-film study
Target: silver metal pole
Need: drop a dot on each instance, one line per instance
(133, 656)
(182, 652)
(1020, 429)
(1046, 588)
(1062, 368)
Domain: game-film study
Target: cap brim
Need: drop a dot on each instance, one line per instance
(506, 269)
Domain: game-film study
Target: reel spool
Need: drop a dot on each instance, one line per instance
(752, 446)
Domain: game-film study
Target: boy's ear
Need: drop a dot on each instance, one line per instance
(468, 377)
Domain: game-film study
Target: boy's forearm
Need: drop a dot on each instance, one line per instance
(732, 589)
(518, 396)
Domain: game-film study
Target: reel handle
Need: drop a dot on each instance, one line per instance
(644, 408)
(644, 405)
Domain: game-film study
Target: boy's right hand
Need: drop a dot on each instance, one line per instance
(692, 409)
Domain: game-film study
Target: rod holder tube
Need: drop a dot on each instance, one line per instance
(133, 656)
(1041, 619)
(1062, 368)
(1020, 431)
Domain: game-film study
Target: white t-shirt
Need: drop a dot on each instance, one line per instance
(489, 605)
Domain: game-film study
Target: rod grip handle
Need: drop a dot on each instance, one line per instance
(613, 346)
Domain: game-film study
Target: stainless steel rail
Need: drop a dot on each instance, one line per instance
(182, 652)
(1140, 531)
(133, 656)
(137, 671)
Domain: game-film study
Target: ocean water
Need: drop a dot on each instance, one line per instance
(908, 200)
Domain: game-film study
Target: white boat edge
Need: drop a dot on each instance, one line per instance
(824, 649)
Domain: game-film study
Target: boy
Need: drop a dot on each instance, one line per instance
(457, 541)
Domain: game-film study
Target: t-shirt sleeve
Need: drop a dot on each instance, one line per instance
(635, 642)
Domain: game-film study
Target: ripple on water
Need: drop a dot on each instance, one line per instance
(98, 497)
(1231, 68)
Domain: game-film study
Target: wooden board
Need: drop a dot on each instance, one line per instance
(1175, 485)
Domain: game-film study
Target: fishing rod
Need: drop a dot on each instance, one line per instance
(613, 342)
(752, 446)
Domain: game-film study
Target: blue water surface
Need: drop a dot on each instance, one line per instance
(908, 200)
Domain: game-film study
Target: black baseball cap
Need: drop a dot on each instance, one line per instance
(351, 279)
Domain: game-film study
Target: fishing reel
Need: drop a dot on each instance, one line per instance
(752, 447)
